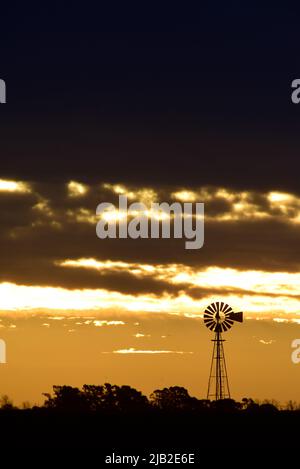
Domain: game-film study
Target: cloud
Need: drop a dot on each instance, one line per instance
(76, 189)
(53, 219)
(102, 323)
(185, 196)
(14, 186)
(33, 298)
(266, 342)
(211, 278)
(48, 241)
(132, 350)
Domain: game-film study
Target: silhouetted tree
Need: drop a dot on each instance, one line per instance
(249, 405)
(94, 396)
(110, 398)
(173, 398)
(6, 403)
(292, 405)
(114, 398)
(268, 408)
(129, 399)
(203, 404)
(65, 398)
(226, 405)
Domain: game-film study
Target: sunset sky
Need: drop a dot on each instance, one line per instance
(189, 113)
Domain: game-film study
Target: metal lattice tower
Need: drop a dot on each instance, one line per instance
(219, 317)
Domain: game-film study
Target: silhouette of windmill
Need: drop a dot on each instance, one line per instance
(219, 317)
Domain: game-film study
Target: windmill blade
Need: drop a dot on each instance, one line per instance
(210, 310)
(213, 307)
(227, 309)
(237, 317)
(228, 323)
(218, 311)
(209, 323)
(224, 327)
(208, 314)
(227, 319)
(210, 319)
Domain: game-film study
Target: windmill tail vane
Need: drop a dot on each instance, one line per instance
(219, 317)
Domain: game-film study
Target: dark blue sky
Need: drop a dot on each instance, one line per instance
(167, 95)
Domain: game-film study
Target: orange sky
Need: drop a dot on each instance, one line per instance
(75, 309)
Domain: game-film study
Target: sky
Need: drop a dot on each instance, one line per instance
(176, 107)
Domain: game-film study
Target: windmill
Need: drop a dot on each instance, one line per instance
(219, 317)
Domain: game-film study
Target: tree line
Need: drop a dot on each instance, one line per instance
(108, 398)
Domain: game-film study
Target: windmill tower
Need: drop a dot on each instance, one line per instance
(219, 317)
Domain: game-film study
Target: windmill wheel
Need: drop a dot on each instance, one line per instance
(219, 317)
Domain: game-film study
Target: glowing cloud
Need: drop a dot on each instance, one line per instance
(184, 196)
(77, 189)
(133, 350)
(98, 323)
(280, 283)
(280, 197)
(266, 342)
(144, 195)
(14, 186)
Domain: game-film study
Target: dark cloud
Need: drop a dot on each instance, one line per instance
(28, 271)
(34, 240)
(200, 292)
(16, 210)
(218, 206)
(156, 158)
